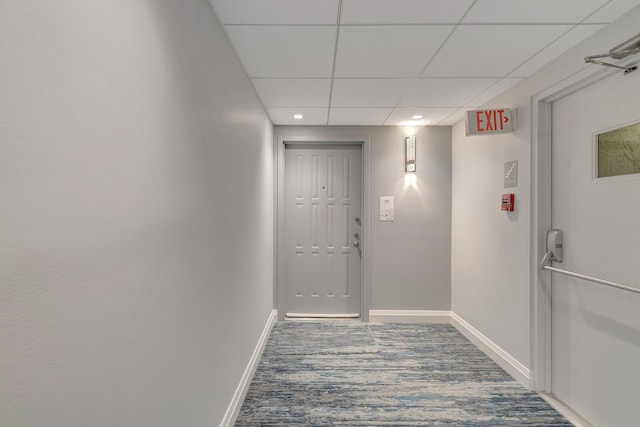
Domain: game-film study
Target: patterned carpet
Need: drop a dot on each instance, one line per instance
(359, 374)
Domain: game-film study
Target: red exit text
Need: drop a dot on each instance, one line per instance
(499, 120)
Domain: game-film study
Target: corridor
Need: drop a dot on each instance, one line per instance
(179, 178)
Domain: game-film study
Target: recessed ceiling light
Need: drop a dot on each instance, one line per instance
(417, 117)
(298, 116)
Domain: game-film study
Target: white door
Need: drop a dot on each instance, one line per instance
(596, 329)
(323, 203)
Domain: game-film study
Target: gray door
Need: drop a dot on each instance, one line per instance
(596, 329)
(323, 204)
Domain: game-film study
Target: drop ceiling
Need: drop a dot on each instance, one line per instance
(382, 62)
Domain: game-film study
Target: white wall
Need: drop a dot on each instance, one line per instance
(410, 257)
(491, 252)
(136, 188)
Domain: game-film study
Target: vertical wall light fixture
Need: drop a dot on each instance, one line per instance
(410, 154)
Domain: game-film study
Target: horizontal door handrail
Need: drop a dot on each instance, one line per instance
(593, 279)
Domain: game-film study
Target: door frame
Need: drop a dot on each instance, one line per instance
(279, 290)
(540, 281)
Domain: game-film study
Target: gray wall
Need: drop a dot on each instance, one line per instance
(136, 185)
(410, 259)
(491, 251)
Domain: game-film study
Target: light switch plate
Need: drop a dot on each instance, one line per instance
(386, 208)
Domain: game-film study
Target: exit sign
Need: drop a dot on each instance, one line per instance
(485, 122)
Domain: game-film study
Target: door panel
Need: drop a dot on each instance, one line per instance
(596, 329)
(323, 199)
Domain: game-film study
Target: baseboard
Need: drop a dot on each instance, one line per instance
(238, 397)
(409, 316)
(507, 362)
(573, 417)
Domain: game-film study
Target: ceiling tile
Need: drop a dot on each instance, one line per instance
(295, 12)
(287, 48)
(284, 51)
(568, 40)
(368, 92)
(284, 116)
(358, 116)
(453, 118)
(538, 11)
(403, 11)
(442, 92)
(293, 92)
(612, 11)
(387, 51)
(491, 50)
(432, 116)
(493, 91)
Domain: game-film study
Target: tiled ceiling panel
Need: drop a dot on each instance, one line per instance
(296, 12)
(387, 51)
(312, 116)
(571, 38)
(432, 116)
(369, 92)
(491, 50)
(284, 51)
(293, 92)
(362, 116)
(493, 91)
(403, 11)
(445, 92)
(370, 62)
(453, 118)
(612, 11)
(532, 11)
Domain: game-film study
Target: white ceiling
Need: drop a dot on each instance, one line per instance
(379, 62)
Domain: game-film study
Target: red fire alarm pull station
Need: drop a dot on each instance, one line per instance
(508, 202)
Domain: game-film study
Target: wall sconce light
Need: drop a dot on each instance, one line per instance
(410, 154)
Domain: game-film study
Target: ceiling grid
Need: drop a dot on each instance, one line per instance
(381, 62)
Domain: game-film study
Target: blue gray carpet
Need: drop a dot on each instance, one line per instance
(352, 373)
